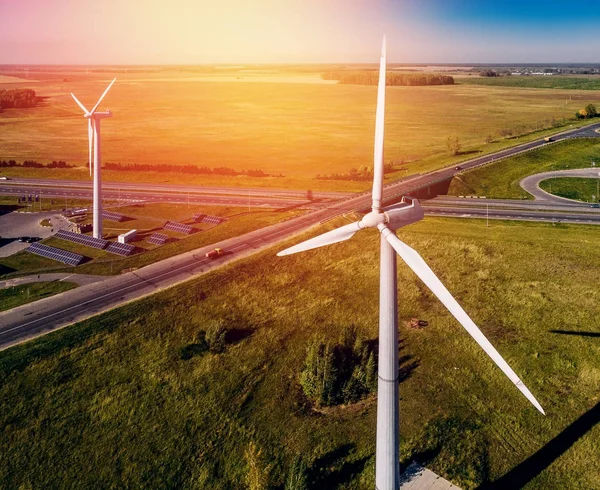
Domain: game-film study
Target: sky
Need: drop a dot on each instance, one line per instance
(297, 31)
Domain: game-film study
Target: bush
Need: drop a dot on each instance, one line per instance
(215, 336)
(338, 373)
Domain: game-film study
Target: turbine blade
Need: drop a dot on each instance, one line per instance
(421, 269)
(334, 236)
(79, 103)
(90, 141)
(102, 96)
(377, 192)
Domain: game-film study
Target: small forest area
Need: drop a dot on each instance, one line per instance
(398, 79)
(18, 98)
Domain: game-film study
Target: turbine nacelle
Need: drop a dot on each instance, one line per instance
(99, 115)
(404, 213)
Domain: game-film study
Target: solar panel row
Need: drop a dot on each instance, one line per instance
(63, 256)
(110, 216)
(207, 218)
(158, 238)
(82, 239)
(124, 249)
(179, 227)
(215, 220)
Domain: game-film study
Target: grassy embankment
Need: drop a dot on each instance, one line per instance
(110, 402)
(19, 295)
(297, 129)
(148, 218)
(500, 180)
(581, 189)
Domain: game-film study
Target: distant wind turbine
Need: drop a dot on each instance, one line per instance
(387, 221)
(94, 118)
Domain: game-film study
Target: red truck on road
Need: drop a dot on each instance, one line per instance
(213, 254)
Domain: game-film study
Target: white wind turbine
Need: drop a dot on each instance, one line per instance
(387, 221)
(94, 118)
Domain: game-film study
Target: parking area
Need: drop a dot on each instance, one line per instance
(16, 224)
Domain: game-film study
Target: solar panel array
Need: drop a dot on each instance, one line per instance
(207, 218)
(213, 220)
(110, 216)
(82, 239)
(55, 254)
(158, 238)
(120, 248)
(180, 227)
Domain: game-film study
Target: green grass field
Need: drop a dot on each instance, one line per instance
(19, 295)
(500, 180)
(552, 82)
(298, 129)
(110, 403)
(585, 190)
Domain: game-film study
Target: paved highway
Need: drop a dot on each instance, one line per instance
(64, 194)
(49, 314)
(512, 214)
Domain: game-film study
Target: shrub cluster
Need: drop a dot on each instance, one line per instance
(343, 372)
(372, 77)
(17, 97)
(587, 112)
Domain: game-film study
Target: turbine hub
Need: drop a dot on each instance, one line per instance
(373, 219)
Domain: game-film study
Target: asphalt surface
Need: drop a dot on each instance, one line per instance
(16, 224)
(531, 183)
(48, 314)
(512, 214)
(235, 196)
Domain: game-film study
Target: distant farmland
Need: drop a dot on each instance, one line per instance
(275, 123)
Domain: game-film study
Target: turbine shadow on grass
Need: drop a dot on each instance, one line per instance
(333, 469)
(572, 332)
(526, 471)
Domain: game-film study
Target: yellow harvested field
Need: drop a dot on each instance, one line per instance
(290, 123)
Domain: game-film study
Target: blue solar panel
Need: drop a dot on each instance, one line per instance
(179, 227)
(42, 250)
(120, 248)
(82, 239)
(110, 216)
(213, 220)
(158, 238)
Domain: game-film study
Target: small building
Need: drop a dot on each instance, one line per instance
(127, 237)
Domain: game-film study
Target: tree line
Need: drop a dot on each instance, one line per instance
(17, 97)
(186, 169)
(34, 164)
(403, 79)
(363, 173)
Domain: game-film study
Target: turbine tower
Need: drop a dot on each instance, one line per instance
(387, 221)
(94, 118)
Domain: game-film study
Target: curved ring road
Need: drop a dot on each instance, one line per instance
(532, 183)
